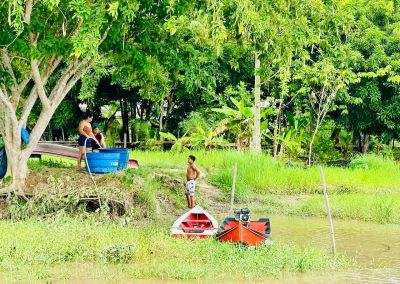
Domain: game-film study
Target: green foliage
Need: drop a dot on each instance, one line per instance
(194, 123)
(201, 139)
(141, 129)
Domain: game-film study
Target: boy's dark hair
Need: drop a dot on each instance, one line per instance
(192, 157)
(86, 115)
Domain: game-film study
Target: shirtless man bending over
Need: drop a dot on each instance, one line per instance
(192, 174)
(85, 131)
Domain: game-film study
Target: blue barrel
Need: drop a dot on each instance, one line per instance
(123, 158)
(103, 162)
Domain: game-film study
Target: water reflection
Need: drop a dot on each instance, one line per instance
(375, 247)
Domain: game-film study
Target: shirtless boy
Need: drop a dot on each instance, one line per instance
(85, 131)
(192, 174)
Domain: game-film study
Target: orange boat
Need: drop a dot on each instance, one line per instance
(196, 223)
(242, 230)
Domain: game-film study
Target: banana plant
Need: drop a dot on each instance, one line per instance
(200, 139)
(238, 122)
(206, 139)
(181, 144)
(293, 136)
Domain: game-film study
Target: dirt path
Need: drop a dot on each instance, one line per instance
(209, 196)
(213, 195)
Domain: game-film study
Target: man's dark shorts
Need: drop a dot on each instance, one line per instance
(81, 141)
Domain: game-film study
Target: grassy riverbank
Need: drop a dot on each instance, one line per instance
(32, 250)
(71, 230)
(261, 174)
(367, 189)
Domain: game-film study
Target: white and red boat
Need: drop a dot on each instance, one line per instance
(196, 223)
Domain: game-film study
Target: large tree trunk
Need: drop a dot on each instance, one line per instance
(256, 138)
(336, 137)
(277, 128)
(18, 170)
(314, 134)
(170, 106)
(161, 119)
(133, 116)
(365, 147)
(17, 158)
(396, 6)
(125, 117)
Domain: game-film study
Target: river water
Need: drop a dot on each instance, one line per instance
(375, 247)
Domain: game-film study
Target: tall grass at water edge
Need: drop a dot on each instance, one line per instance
(31, 250)
(372, 207)
(262, 174)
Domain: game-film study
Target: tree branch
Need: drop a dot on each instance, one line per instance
(105, 34)
(39, 84)
(78, 75)
(60, 95)
(10, 109)
(76, 29)
(28, 11)
(30, 101)
(38, 130)
(19, 89)
(7, 64)
(65, 77)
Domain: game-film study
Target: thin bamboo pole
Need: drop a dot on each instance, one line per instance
(328, 209)
(233, 186)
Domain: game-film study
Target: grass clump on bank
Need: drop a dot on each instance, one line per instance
(32, 249)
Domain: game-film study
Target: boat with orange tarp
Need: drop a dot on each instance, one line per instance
(241, 230)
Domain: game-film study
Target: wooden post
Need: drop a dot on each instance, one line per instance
(124, 139)
(233, 186)
(328, 209)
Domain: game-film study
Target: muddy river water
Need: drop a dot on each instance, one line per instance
(375, 248)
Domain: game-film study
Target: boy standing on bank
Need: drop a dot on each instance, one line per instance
(192, 174)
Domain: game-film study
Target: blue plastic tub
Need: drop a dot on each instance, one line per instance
(103, 162)
(123, 158)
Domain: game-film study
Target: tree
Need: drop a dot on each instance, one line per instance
(275, 33)
(322, 82)
(171, 64)
(41, 40)
(373, 102)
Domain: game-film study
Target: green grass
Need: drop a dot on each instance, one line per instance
(261, 174)
(381, 208)
(32, 250)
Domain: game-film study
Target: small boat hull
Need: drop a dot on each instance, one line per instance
(251, 233)
(196, 223)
